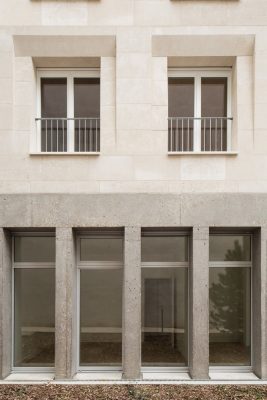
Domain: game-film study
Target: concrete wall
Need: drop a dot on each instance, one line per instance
(68, 213)
(135, 41)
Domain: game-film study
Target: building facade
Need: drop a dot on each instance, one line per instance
(133, 195)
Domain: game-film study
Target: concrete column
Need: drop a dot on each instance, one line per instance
(199, 304)
(131, 326)
(259, 303)
(5, 303)
(66, 312)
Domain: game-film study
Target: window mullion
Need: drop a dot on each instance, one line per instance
(229, 114)
(70, 112)
(197, 114)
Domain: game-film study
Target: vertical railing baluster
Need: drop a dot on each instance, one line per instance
(46, 135)
(63, 135)
(85, 134)
(176, 133)
(216, 121)
(79, 130)
(182, 134)
(90, 134)
(188, 131)
(96, 136)
(210, 134)
(170, 144)
(57, 135)
(221, 136)
(204, 135)
(51, 142)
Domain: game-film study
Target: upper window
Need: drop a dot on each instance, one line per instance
(199, 111)
(68, 111)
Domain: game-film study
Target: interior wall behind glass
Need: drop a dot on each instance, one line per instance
(34, 317)
(34, 249)
(101, 317)
(101, 249)
(230, 316)
(164, 316)
(164, 248)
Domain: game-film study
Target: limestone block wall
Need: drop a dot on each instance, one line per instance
(142, 39)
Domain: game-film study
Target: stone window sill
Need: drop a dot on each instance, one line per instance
(203, 153)
(59, 153)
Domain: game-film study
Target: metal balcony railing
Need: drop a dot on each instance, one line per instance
(68, 135)
(204, 134)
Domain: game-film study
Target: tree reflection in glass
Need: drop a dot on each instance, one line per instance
(230, 315)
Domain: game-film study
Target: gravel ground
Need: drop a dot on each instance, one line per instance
(132, 392)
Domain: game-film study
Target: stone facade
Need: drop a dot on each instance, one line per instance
(133, 183)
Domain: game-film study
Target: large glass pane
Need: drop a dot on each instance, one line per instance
(214, 109)
(230, 248)
(34, 319)
(181, 99)
(164, 248)
(101, 317)
(230, 316)
(87, 112)
(53, 109)
(34, 249)
(164, 316)
(101, 249)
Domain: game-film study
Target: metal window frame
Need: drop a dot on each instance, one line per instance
(69, 74)
(93, 265)
(197, 74)
(26, 265)
(185, 264)
(237, 264)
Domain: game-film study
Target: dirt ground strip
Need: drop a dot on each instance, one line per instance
(132, 392)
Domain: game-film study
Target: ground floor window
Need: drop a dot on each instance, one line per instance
(100, 258)
(230, 300)
(164, 299)
(34, 301)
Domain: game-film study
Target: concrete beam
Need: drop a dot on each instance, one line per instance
(131, 341)
(199, 304)
(5, 303)
(66, 326)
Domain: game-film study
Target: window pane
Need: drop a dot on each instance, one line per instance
(230, 248)
(101, 249)
(164, 248)
(181, 97)
(87, 105)
(86, 97)
(230, 316)
(34, 249)
(213, 97)
(214, 104)
(181, 106)
(54, 105)
(101, 317)
(164, 316)
(34, 322)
